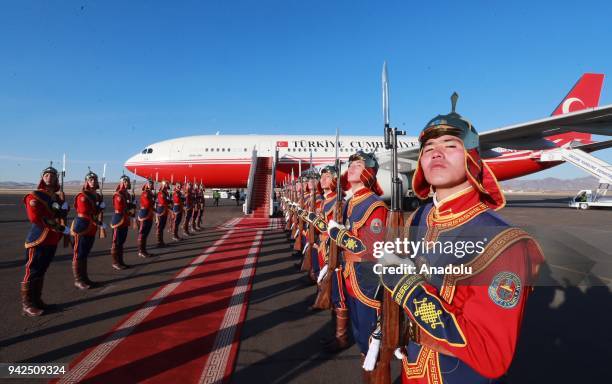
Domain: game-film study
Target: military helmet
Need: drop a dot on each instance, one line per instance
(331, 169)
(91, 175)
(49, 169)
(368, 158)
(451, 124)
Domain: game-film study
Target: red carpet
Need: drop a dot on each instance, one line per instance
(189, 330)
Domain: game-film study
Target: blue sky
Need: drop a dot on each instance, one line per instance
(100, 80)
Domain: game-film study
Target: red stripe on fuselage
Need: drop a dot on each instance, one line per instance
(235, 175)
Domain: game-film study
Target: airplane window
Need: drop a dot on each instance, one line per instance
(217, 149)
(222, 149)
(245, 149)
(150, 150)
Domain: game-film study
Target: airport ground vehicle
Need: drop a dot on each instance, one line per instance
(587, 198)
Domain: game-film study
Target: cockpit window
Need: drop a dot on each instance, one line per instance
(150, 150)
(144, 151)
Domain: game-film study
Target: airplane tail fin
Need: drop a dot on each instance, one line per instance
(585, 94)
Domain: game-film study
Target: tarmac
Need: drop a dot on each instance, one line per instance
(564, 335)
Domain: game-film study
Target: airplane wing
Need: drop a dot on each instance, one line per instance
(531, 135)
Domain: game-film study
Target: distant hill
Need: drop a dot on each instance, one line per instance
(550, 184)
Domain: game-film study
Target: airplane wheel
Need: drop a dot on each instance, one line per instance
(584, 206)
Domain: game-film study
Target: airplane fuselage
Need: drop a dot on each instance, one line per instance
(225, 160)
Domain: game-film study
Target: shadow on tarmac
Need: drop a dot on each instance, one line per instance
(567, 342)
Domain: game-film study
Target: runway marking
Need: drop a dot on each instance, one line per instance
(86, 365)
(217, 363)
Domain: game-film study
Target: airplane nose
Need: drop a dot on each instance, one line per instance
(130, 163)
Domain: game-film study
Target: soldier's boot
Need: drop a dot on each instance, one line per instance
(29, 300)
(186, 228)
(175, 235)
(85, 274)
(77, 271)
(142, 248)
(117, 256)
(37, 286)
(160, 240)
(341, 339)
(312, 275)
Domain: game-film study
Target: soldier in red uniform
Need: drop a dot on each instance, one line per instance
(177, 208)
(84, 228)
(124, 209)
(196, 207)
(464, 325)
(145, 217)
(188, 197)
(162, 211)
(44, 208)
(365, 216)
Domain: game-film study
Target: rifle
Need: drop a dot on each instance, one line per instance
(134, 219)
(390, 323)
(62, 195)
(101, 215)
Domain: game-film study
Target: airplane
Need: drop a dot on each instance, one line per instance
(224, 161)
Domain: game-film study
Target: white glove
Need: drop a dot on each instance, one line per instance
(398, 354)
(66, 230)
(393, 259)
(333, 224)
(65, 206)
(322, 273)
(370, 360)
(102, 205)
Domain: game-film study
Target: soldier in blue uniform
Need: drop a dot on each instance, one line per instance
(364, 216)
(44, 209)
(463, 325)
(84, 228)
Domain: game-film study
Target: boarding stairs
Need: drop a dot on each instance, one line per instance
(585, 161)
(261, 188)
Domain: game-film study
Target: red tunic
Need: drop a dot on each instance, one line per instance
(38, 210)
(85, 204)
(120, 204)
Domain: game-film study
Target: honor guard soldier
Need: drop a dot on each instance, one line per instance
(177, 208)
(163, 207)
(124, 210)
(200, 206)
(188, 198)
(145, 217)
(339, 310)
(196, 208)
(44, 208)
(463, 326)
(84, 228)
(364, 216)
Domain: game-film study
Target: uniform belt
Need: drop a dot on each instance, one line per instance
(84, 216)
(120, 212)
(349, 256)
